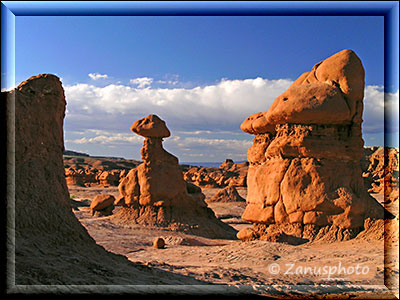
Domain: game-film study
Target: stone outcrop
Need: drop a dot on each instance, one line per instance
(102, 205)
(304, 172)
(155, 193)
(228, 174)
(47, 243)
(228, 194)
(86, 171)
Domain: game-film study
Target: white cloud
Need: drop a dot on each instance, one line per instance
(222, 143)
(175, 82)
(204, 119)
(222, 106)
(186, 148)
(209, 148)
(373, 109)
(170, 79)
(107, 138)
(379, 107)
(392, 112)
(218, 107)
(142, 82)
(96, 76)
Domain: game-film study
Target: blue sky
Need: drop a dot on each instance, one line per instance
(202, 75)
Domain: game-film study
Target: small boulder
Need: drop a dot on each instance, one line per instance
(159, 243)
(102, 205)
(247, 234)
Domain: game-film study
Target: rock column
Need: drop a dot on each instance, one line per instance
(155, 193)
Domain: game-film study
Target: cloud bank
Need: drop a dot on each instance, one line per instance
(215, 107)
(203, 118)
(142, 82)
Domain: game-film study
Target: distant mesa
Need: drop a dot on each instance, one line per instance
(304, 176)
(74, 153)
(155, 192)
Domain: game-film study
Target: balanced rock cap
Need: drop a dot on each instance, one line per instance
(151, 126)
(331, 93)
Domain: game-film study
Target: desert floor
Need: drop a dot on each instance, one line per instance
(352, 268)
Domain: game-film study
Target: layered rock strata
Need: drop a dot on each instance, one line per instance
(155, 193)
(304, 171)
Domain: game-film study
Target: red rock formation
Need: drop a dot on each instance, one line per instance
(155, 192)
(48, 245)
(228, 174)
(381, 171)
(151, 127)
(228, 194)
(95, 171)
(304, 168)
(102, 205)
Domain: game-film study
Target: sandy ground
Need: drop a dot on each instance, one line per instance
(351, 268)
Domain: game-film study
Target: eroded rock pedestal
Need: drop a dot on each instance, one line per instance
(304, 176)
(155, 193)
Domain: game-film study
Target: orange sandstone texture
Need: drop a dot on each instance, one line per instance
(102, 205)
(304, 170)
(155, 192)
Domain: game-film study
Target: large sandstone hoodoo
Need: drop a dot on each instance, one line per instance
(51, 247)
(155, 193)
(304, 172)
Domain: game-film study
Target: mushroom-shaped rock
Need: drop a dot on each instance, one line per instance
(257, 123)
(155, 192)
(331, 93)
(344, 70)
(305, 173)
(151, 126)
(315, 103)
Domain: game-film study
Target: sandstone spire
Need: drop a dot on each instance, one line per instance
(155, 193)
